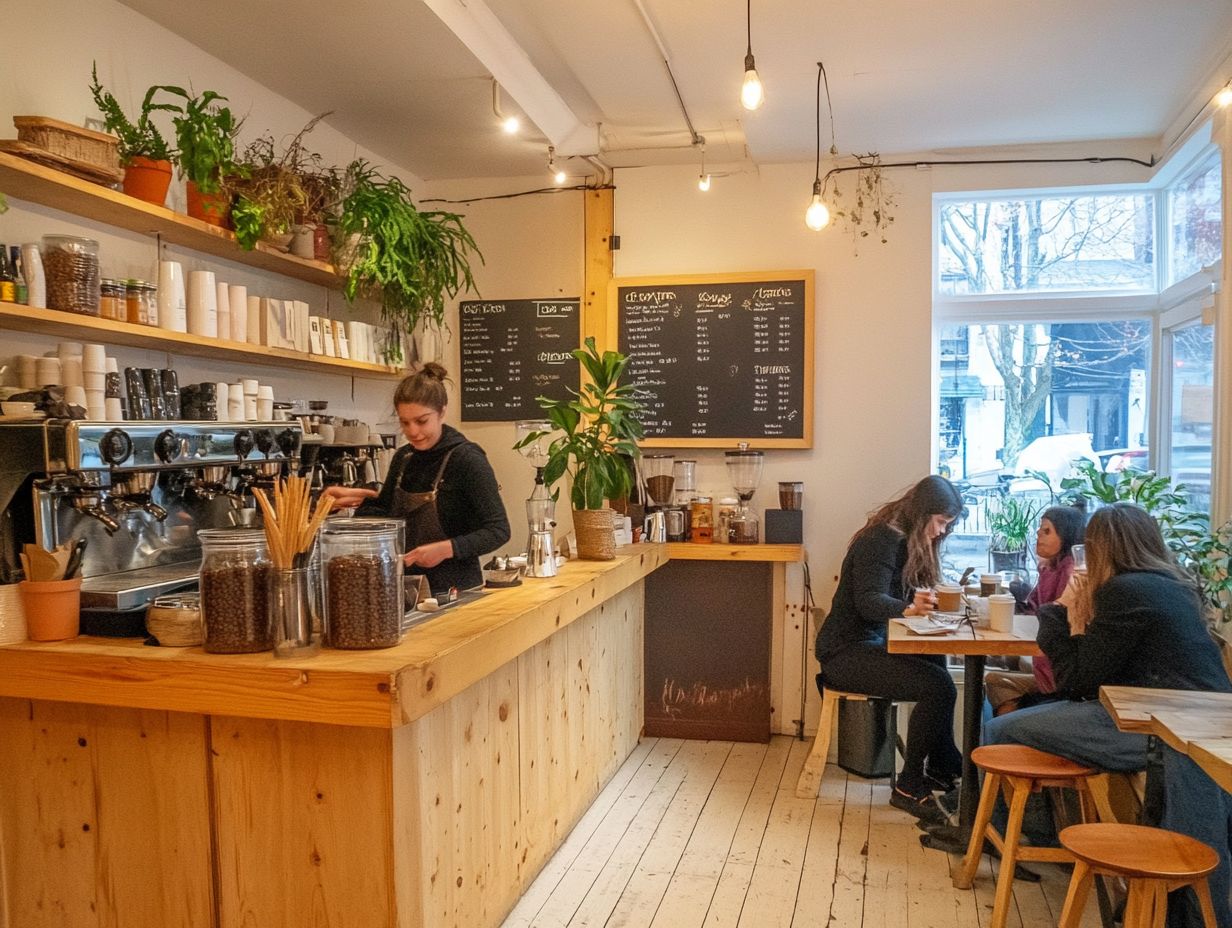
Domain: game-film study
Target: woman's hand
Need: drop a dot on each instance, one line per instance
(922, 603)
(429, 555)
(347, 497)
(1074, 601)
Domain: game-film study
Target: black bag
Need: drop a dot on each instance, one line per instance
(866, 737)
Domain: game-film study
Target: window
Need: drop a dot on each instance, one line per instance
(1195, 220)
(1079, 243)
(1192, 350)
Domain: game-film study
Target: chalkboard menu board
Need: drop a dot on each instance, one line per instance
(513, 351)
(722, 358)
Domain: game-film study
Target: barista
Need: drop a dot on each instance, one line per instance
(441, 484)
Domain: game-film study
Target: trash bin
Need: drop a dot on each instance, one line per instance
(866, 737)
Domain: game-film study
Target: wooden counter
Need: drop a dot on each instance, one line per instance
(424, 784)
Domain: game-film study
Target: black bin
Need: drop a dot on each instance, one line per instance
(866, 737)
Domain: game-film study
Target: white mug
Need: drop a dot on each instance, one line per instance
(1001, 612)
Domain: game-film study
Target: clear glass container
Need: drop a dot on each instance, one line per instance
(111, 302)
(140, 302)
(362, 564)
(71, 266)
(235, 569)
(293, 605)
(744, 529)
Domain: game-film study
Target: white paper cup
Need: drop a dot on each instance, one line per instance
(237, 298)
(75, 396)
(94, 358)
(68, 350)
(27, 371)
(113, 366)
(250, 386)
(1001, 612)
(203, 304)
(70, 372)
(94, 380)
(47, 371)
(172, 302)
(112, 410)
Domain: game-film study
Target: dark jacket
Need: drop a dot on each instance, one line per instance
(468, 502)
(1147, 631)
(870, 591)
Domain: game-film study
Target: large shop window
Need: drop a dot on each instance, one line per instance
(1195, 219)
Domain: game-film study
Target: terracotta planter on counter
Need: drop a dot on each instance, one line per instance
(208, 207)
(53, 608)
(147, 179)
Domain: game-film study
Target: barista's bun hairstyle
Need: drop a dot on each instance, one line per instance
(425, 387)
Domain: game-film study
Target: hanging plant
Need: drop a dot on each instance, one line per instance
(871, 209)
(409, 260)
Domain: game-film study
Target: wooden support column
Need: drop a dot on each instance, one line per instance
(597, 319)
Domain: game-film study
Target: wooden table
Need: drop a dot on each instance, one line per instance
(1196, 724)
(974, 644)
(423, 784)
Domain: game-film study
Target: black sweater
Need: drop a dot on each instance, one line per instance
(870, 591)
(468, 502)
(1147, 631)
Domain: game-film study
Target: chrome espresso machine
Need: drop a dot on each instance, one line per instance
(138, 492)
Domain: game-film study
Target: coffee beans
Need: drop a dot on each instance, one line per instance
(233, 609)
(362, 608)
(73, 278)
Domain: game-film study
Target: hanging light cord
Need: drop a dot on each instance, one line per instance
(822, 76)
(748, 25)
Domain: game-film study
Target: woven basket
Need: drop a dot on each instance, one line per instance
(596, 540)
(69, 141)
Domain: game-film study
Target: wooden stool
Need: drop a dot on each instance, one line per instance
(1154, 861)
(1018, 771)
(809, 783)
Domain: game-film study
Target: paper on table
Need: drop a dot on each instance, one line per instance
(923, 626)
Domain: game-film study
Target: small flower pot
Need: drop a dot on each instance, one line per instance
(208, 207)
(53, 608)
(147, 180)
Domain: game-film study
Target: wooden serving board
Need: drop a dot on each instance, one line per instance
(82, 169)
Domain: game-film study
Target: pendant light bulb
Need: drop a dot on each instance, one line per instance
(703, 182)
(560, 177)
(511, 124)
(1224, 97)
(752, 95)
(817, 216)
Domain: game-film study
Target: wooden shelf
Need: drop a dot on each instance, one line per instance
(64, 325)
(25, 180)
(687, 551)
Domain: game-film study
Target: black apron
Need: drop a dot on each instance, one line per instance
(418, 510)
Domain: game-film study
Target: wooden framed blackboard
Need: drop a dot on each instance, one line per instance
(720, 358)
(513, 351)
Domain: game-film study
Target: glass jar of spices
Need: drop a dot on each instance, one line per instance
(111, 302)
(141, 302)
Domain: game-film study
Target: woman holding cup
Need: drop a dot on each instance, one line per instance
(890, 568)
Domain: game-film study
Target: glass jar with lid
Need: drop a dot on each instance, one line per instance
(362, 562)
(73, 279)
(235, 570)
(111, 301)
(141, 302)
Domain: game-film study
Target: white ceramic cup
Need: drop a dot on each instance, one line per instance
(223, 310)
(202, 304)
(172, 302)
(223, 392)
(1001, 612)
(237, 298)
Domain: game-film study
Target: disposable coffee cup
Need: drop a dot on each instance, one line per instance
(1001, 612)
(990, 584)
(949, 597)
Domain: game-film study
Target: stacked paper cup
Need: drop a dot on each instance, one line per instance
(265, 403)
(224, 311)
(27, 371)
(47, 371)
(94, 376)
(250, 398)
(223, 393)
(235, 402)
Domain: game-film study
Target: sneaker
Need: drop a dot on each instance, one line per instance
(942, 782)
(949, 801)
(924, 807)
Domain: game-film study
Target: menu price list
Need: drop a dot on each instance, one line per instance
(722, 360)
(513, 351)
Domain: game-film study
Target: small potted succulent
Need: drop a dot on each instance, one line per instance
(599, 434)
(205, 133)
(144, 152)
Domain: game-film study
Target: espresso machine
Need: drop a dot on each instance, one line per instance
(137, 492)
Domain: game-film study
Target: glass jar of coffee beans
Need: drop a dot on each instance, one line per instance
(235, 570)
(363, 582)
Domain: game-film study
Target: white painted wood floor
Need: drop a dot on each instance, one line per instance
(710, 834)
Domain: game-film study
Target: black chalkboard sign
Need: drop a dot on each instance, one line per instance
(513, 351)
(721, 358)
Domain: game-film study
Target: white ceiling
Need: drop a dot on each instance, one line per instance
(905, 75)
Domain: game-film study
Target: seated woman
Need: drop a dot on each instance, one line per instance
(890, 565)
(1134, 620)
(1060, 528)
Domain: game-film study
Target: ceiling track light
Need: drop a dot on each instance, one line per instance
(752, 95)
(817, 216)
(558, 174)
(1224, 96)
(510, 124)
(703, 179)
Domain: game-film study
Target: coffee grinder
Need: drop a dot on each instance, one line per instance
(540, 507)
(679, 517)
(744, 471)
(659, 493)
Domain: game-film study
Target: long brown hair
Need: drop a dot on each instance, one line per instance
(1125, 538)
(909, 515)
(425, 387)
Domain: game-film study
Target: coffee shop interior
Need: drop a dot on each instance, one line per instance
(842, 247)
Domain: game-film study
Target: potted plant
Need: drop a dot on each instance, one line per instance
(144, 152)
(409, 260)
(1010, 523)
(205, 133)
(600, 431)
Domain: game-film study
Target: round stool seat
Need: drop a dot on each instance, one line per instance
(1138, 851)
(1016, 760)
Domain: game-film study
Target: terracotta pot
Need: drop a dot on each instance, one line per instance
(53, 608)
(208, 207)
(147, 179)
(596, 539)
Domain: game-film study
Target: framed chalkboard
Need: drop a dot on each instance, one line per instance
(720, 358)
(513, 351)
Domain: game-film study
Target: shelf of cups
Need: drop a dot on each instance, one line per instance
(25, 180)
(62, 325)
